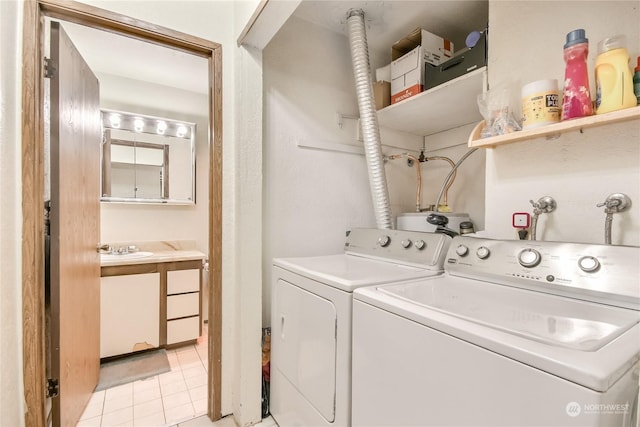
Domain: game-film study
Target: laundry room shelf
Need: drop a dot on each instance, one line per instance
(554, 130)
(447, 106)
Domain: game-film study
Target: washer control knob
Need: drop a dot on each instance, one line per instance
(588, 264)
(420, 244)
(384, 241)
(529, 257)
(406, 243)
(483, 252)
(462, 250)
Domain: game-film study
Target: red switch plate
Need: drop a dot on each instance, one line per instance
(521, 220)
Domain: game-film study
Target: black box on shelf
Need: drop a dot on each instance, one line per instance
(461, 64)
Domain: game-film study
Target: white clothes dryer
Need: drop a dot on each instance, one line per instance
(515, 333)
(311, 318)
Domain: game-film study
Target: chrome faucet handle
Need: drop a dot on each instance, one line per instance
(104, 249)
(616, 202)
(544, 204)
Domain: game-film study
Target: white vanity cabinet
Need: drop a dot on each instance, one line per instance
(148, 305)
(183, 305)
(129, 312)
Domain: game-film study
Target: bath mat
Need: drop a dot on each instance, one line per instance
(133, 368)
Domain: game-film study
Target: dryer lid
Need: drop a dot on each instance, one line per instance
(349, 272)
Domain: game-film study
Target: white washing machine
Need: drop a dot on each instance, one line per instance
(515, 333)
(311, 318)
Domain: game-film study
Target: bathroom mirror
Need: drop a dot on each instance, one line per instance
(147, 159)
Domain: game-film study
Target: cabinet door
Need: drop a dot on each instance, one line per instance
(129, 313)
(181, 281)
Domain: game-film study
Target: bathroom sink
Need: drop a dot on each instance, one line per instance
(126, 256)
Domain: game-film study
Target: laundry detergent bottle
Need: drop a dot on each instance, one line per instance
(576, 99)
(614, 81)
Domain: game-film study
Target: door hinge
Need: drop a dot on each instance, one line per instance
(50, 68)
(53, 387)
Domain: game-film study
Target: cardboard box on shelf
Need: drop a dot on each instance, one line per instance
(382, 94)
(410, 54)
(383, 74)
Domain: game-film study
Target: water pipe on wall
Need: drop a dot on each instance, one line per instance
(368, 118)
(546, 204)
(450, 174)
(617, 202)
(417, 161)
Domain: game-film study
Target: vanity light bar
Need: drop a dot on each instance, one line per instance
(146, 124)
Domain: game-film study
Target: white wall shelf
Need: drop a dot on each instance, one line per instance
(447, 106)
(554, 130)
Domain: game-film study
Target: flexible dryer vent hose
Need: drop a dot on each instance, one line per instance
(369, 118)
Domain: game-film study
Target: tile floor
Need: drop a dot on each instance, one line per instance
(175, 398)
(164, 400)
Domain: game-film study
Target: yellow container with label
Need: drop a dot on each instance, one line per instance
(614, 80)
(541, 103)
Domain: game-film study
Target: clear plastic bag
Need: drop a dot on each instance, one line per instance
(494, 107)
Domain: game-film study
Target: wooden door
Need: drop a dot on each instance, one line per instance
(75, 229)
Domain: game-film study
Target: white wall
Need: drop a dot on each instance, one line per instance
(578, 170)
(313, 196)
(144, 222)
(11, 385)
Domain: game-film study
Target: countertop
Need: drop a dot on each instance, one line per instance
(163, 251)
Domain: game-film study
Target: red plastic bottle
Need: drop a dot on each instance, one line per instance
(576, 100)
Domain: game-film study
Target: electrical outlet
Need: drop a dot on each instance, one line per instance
(521, 220)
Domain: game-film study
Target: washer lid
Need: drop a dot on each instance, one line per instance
(550, 319)
(348, 272)
(584, 342)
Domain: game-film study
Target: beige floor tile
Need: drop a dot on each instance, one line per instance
(153, 420)
(148, 408)
(179, 413)
(196, 381)
(176, 399)
(198, 393)
(119, 391)
(117, 403)
(141, 396)
(170, 377)
(194, 371)
(93, 409)
(173, 388)
(200, 406)
(146, 384)
(118, 417)
(90, 422)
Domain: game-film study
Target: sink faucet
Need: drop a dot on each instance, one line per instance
(616, 202)
(104, 249)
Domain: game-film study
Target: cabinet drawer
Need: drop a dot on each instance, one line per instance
(183, 305)
(183, 329)
(181, 281)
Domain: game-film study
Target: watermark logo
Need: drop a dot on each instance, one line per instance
(573, 409)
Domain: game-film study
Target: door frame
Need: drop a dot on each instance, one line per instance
(33, 313)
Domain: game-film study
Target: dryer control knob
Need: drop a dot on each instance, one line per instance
(483, 252)
(420, 244)
(462, 250)
(406, 243)
(589, 264)
(529, 258)
(384, 241)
